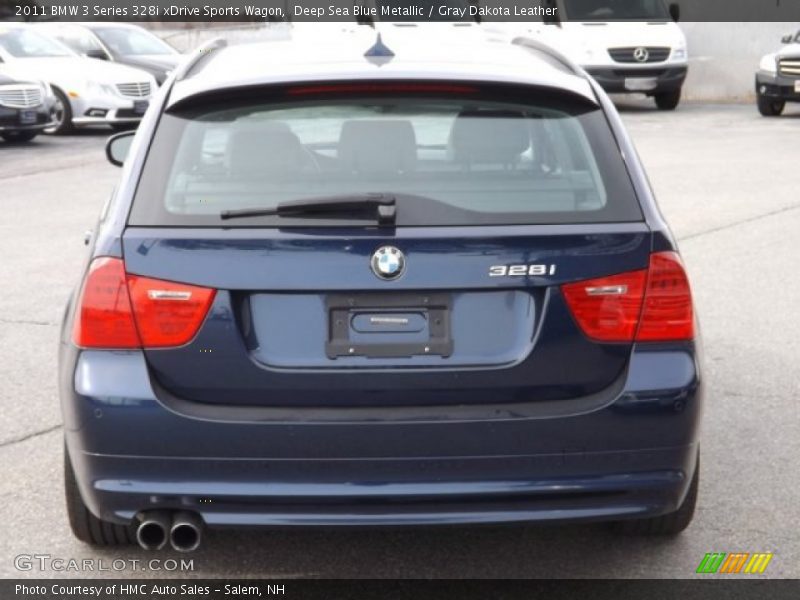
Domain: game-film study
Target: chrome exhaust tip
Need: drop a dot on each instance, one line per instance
(152, 532)
(186, 532)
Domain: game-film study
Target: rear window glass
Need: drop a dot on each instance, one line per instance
(447, 161)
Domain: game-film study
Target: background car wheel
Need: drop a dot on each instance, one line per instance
(668, 100)
(770, 108)
(62, 115)
(669, 524)
(19, 136)
(85, 526)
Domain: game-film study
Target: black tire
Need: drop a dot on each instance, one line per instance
(62, 114)
(668, 100)
(769, 107)
(670, 524)
(85, 526)
(120, 127)
(19, 136)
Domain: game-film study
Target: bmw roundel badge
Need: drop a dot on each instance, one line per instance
(388, 262)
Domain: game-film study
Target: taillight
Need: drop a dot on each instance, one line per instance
(653, 305)
(667, 314)
(167, 313)
(104, 318)
(607, 309)
(117, 310)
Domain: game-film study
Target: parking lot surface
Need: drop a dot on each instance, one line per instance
(728, 182)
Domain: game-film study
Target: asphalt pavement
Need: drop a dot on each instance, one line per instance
(729, 183)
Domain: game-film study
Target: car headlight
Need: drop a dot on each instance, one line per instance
(768, 64)
(679, 54)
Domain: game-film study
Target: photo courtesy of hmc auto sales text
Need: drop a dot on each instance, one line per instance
(106, 590)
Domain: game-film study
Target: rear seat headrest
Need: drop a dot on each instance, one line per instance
(270, 149)
(489, 136)
(377, 146)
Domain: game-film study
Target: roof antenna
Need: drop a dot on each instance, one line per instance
(379, 54)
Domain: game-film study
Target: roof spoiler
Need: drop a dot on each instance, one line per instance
(200, 54)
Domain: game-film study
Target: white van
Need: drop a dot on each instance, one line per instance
(628, 46)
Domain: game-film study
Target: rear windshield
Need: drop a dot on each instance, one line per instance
(447, 160)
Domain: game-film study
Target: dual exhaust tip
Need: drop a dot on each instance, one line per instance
(183, 530)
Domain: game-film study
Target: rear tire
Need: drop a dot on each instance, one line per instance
(769, 107)
(19, 136)
(670, 524)
(668, 100)
(85, 526)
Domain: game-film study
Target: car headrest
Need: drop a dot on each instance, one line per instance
(489, 136)
(377, 146)
(267, 150)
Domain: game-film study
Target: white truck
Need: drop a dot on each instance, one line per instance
(628, 46)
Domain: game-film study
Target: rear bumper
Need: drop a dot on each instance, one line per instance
(258, 492)
(664, 79)
(777, 87)
(630, 455)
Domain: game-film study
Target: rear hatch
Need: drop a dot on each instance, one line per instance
(389, 245)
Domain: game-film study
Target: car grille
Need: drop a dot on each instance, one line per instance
(20, 96)
(651, 54)
(789, 66)
(134, 90)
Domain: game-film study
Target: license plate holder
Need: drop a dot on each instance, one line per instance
(640, 84)
(27, 117)
(140, 107)
(406, 316)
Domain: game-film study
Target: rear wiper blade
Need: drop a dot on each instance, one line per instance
(383, 205)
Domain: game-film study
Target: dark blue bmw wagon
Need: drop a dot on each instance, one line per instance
(378, 285)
